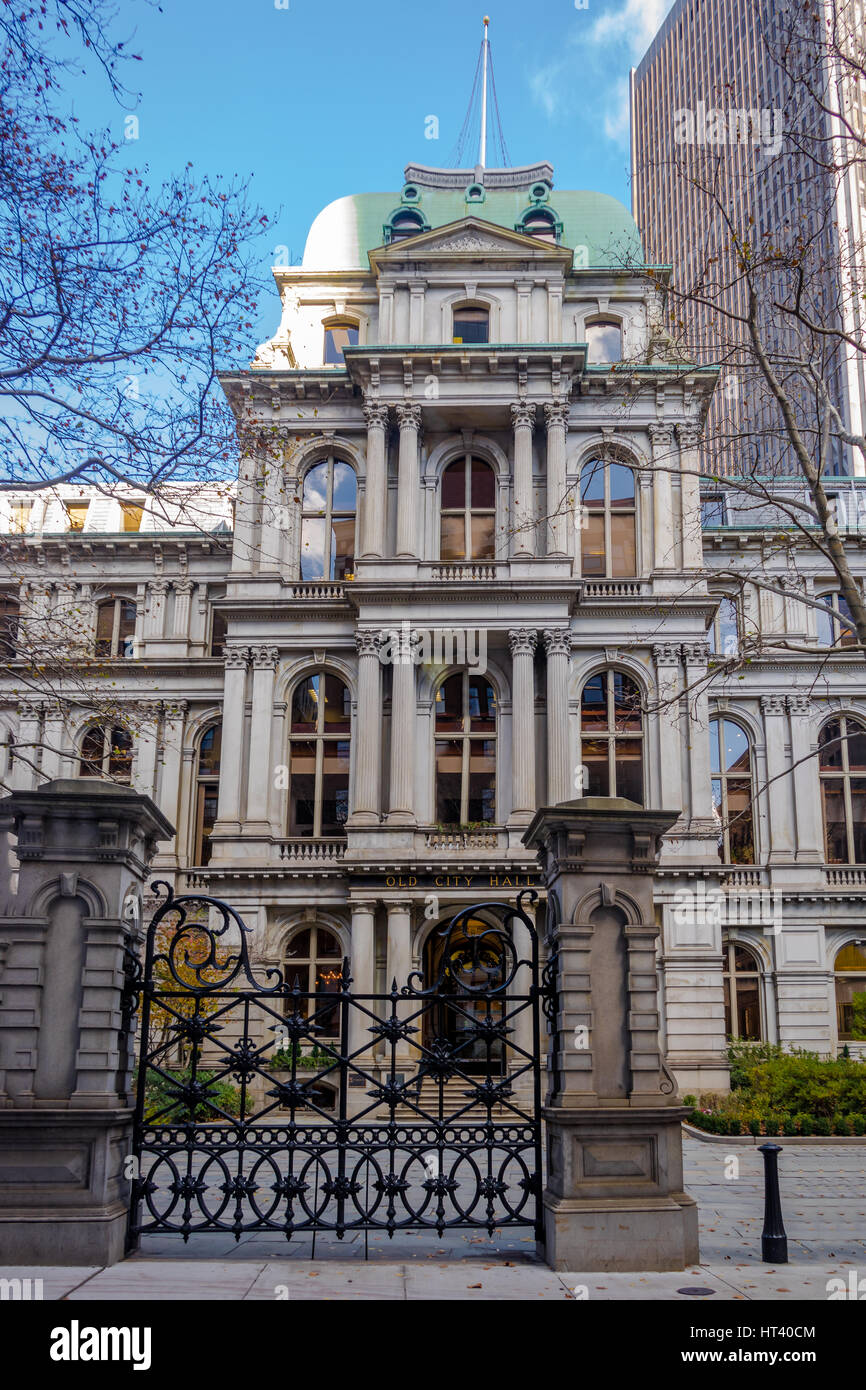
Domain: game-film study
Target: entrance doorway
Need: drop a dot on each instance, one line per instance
(461, 964)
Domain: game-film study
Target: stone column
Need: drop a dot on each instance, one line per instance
(146, 749)
(523, 511)
(174, 718)
(54, 733)
(558, 511)
(696, 656)
(408, 491)
(807, 798)
(246, 527)
(376, 491)
(25, 767)
(522, 642)
(363, 971)
(399, 969)
(261, 773)
(560, 781)
(182, 595)
(65, 1116)
(666, 656)
(154, 618)
(690, 484)
(368, 733)
(234, 701)
(614, 1198)
(664, 531)
(401, 805)
(778, 781)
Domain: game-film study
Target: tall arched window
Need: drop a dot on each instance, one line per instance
(339, 336)
(850, 971)
(471, 324)
(742, 980)
(832, 632)
(612, 737)
(842, 769)
(207, 791)
(465, 750)
(313, 957)
(115, 628)
(608, 520)
(328, 521)
(731, 768)
(468, 511)
(319, 757)
(603, 341)
(106, 753)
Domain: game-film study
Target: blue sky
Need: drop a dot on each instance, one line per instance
(317, 100)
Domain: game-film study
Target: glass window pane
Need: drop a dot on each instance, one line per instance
(596, 764)
(337, 706)
(336, 339)
(592, 546)
(735, 749)
(104, 628)
(453, 538)
(92, 746)
(312, 548)
(824, 622)
(449, 706)
(728, 627)
(604, 342)
(626, 702)
(835, 836)
(830, 745)
(851, 957)
(483, 537)
(629, 769)
(593, 703)
(209, 800)
(316, 488)
(715, 734)
(209, 752)
(454, 486)
(299, 946)
(748, 1011)
(471, 326)
(623, 547)
(342, 548)
(856, 739)
(858, 818)
(305, 704)
(345, 497)
(303, 787)
(621, 485)
(449, 767)
(740, 831)
(592, 481)
(120, 755)
(482, 706)
(847, 635)
(482, 485)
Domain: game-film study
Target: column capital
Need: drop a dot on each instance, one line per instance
(772, 704)
(555, 413)
(557, 641)
(363, 904)
(408, 415)
(376, 414)
(523, 413)
(236, 658)
(688, 436)
(522, 641)
(367, 643)
(696, 653)
(403, 906)
(800, 705)
(265, 658)
(667, 654)
(661, 435)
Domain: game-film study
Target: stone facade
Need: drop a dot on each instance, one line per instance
(355, 805)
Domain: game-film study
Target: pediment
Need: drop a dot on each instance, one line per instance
(469, 239)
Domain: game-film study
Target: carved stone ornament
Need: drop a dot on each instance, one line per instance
(522, 641)
(523, 413)
(557, 642)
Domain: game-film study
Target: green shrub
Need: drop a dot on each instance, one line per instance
(304, 1061)
(858, 1124)
(773, 1124)
(840, 1124)
(858, 1015)
(805, 1124)
(160, 1095)
(789, 1126)
(690, 1101)
(823, 1125)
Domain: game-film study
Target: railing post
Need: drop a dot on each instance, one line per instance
(774, 1241)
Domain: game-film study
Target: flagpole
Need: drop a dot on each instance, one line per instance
(482, 153)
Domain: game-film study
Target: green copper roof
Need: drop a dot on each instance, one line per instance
(346, 230)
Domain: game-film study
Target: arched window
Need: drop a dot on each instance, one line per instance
(106, 753)
(604, 341)
(9, 615)
(469, 965)
(471, 325)
(850, 969)
(724, 633)
(319, 757)
(731, 769)
(313, 957)
(832, 632)
(742, 980)
(842, 769)
(465, 751)
(468, 511)
(608, 526)
(541, 224)
(612, 737)
(404, 224)
(207, 791)
(328, 520)
(339, 336)
(115, 628)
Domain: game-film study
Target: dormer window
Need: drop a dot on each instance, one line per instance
(541, 224)
(405, 224)
(471, 325)
(339, 336)
(604, 341)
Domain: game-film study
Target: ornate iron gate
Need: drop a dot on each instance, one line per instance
(436, 1104)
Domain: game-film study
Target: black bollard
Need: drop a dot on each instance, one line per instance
(774, 1242)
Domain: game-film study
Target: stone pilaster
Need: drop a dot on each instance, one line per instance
(807, 797)
(696, 656)
(666, 656)
(261, 773)
(234, 702)
(556, 420)
(401, 805)
(523, 511)
(664, 531)
(690, 486)
(522, 643)
(560, 781)
(376, 491)
(363, 971)
(368, 734)
(408, 490)
(779, 798)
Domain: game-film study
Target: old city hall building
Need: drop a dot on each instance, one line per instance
(472, 580)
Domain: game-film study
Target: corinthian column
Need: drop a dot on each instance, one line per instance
(667, 657)
(557, 645)
(556, 419)
(260, 775)
(234, 699)
(375, 495)
(408, 491)
(522, 517)
(522, 642)
(664, 537)
(403, 732)
(368, 737)
(690, 486)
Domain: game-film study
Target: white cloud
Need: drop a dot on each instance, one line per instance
(597, 57)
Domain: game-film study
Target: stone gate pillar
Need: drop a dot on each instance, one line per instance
(614, 1198)
(66, 1051)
